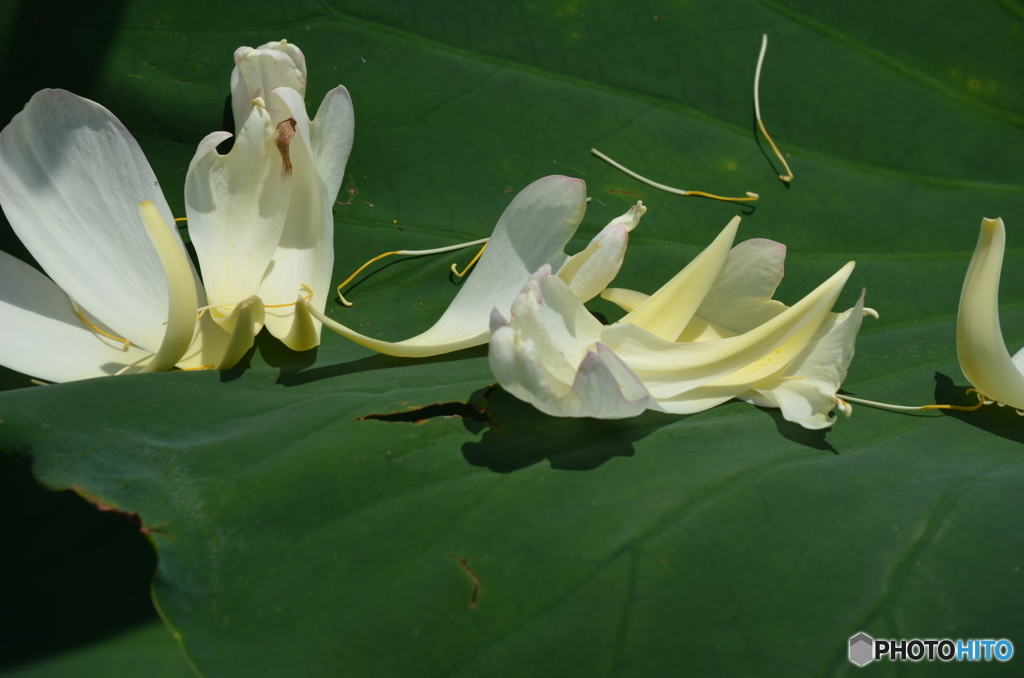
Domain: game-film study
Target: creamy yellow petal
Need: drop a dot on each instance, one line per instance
(667, 368)
(247, 318)
(183, 302)
(666, 313)
(979, 338)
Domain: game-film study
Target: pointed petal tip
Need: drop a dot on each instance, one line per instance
(631, 219)
(846, 270)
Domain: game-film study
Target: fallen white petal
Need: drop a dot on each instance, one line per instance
(603, 387)
(71, 180)
(305, 254)
(237, 205)
(588, 272)
(532, 232)
(330, 137)
(40, 334)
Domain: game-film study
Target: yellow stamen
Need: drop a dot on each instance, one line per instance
(670, 189)
(437, 250)
(788, 176)
(201, 367)
(204, 309)
(182, 219)
(308, 297)
(304, 286)
(702, 194)
(39, 383)
(108, 335)
(972, 408)
(918, 408)
(479, 254)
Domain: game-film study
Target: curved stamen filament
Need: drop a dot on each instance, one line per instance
(437, 250)
(981, 402)
(309, 296)
(788, 176)
(304, 286)
(916, 408)
(670, 189)
(108, 335)
(479, 254)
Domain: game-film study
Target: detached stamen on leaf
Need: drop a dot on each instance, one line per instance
(438, 250)
(108, 335)
(914, 408)
(479, 254)
(669, 189)
(788, 176)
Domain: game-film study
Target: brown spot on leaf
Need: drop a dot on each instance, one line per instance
(464, 564)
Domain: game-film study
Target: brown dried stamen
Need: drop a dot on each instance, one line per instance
(283, 139)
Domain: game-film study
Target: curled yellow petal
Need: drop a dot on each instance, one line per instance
(181, 288)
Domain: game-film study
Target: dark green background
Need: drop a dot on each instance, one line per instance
(295, 538)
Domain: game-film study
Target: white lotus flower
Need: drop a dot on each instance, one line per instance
(260, 216)
(710, 334)
(121, 295)
(532, 232)
(979, 339)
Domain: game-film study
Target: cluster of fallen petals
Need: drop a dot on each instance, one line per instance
(710, 334)
(120, 293)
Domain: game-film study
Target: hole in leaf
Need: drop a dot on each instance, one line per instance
(421, 414)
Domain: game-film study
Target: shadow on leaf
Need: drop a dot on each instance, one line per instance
(1001, 421)
(813, 438)
(521, 436)
(296, 376)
